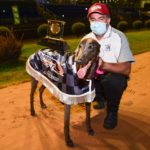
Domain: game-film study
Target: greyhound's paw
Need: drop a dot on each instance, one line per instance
(91, 132)
(69, 143)
(33, 113)
(43, 106)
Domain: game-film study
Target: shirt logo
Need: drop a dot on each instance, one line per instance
(107, 47)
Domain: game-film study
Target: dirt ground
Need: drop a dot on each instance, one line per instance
(20, 131)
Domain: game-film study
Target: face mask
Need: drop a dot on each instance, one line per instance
(99, 28)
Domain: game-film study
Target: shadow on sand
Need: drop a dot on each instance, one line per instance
(131, 134)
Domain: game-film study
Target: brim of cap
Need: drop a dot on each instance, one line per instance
(97, 13)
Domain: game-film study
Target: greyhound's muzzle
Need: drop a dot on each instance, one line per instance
(80, 63)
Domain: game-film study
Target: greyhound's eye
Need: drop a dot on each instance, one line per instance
(80, 46)
(90, 47)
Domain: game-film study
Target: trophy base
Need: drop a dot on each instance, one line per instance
(54, 44)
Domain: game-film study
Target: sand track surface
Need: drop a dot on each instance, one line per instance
(20, 131)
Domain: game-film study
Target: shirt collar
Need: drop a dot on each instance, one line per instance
(108, 32)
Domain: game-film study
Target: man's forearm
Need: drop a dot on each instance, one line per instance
(122, 68)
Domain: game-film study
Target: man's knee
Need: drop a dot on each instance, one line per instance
(115, 81)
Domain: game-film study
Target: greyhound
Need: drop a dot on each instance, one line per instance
(88, 50)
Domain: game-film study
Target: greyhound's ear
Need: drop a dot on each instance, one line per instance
(98, 44)
(77, 49)
(78, 46)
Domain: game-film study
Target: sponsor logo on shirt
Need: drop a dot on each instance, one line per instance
(107, 47)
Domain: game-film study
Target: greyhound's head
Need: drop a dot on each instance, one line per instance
(88, 50)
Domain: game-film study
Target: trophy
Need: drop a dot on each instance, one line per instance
(54, 38)
(55, 29)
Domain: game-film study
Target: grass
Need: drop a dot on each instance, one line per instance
(29, 49)
(15, 73)
(139, 41)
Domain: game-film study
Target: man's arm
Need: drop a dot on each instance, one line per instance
(122, 68)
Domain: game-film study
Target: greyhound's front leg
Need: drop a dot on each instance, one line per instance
(88, 119)
(66, 126)
(41, 90)
(34, 83)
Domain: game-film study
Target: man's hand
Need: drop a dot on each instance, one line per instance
(100, 63)
(82, 71)
(122, 67)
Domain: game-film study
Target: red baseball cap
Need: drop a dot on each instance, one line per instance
(98, 8)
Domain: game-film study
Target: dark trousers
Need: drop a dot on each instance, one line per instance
(110, 87)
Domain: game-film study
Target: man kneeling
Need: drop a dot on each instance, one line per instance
(115, 62)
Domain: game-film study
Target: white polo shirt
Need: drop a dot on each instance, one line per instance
(114, 46)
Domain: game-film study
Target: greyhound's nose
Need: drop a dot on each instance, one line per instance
(79, 61)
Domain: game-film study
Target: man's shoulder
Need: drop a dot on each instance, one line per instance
(118, 32)
(89, 35)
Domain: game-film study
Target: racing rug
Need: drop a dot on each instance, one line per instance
(58, 74)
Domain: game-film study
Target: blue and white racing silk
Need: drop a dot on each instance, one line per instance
(58, 74)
